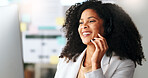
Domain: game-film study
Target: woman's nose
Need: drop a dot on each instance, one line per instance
(85, 26)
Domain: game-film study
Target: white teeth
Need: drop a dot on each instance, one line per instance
(86, 33)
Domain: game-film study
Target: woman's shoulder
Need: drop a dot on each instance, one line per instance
(64, 61)
(116, 61)
(114, 65)
(122, 62)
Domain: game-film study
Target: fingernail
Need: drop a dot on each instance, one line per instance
(99, 34)
(93, 39)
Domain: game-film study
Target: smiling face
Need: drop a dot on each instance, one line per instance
(90, 24)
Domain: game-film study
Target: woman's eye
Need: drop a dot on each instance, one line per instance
(80, 22)
(92, 21)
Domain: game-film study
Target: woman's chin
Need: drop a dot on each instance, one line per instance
(86, 42)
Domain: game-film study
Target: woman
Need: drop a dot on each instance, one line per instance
(102, 42)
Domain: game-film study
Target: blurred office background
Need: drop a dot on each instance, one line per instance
(40, 24)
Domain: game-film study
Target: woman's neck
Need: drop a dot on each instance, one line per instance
(90, 50)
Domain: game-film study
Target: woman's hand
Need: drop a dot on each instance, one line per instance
(101, 48)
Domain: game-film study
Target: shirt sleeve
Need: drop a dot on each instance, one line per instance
(95, 74)
(125, 70)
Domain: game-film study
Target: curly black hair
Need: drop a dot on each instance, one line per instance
(121, 33)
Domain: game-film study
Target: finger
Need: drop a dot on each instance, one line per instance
(100, 44)
(100, 36)
(104, 44)
(97, 48)
(101, 40)
(104, 41)
(96, 53)
(103, 47)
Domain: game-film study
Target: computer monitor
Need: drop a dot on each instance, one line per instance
(11, 59)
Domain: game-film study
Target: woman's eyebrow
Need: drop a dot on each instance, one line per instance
(92, 17)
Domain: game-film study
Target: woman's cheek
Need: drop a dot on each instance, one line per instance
(79, 30)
